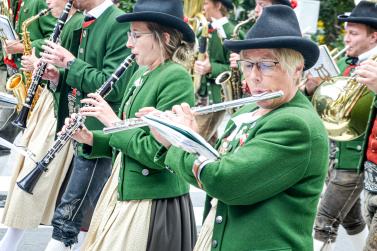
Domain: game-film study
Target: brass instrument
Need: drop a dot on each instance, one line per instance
(230, 81)
(16, 83)
(201, 110)
(343, 105)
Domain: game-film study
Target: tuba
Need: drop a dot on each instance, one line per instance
(15, 83)
(343, 105)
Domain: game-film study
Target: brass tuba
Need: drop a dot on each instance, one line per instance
(343, 105)
(16, 83)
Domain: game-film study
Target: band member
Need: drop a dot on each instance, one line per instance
(341, 202)
(24, 211)
(153, 210)
(367, 74)
(264, 188)
(100, 46)
(39, 30)
(216, 61)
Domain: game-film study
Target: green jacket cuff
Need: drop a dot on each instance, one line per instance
(73, 78)
(100, 146)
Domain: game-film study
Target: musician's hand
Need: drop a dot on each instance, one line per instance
(185, 116)
(51, 73)
(27, 62)
(311, 84)
(100, 109)
(233, 59)
(13, 47)
(203, 67)
(81, 135)
(56, 54)
(367, 74)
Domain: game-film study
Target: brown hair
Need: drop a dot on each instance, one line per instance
(223, 9)
(176, 49)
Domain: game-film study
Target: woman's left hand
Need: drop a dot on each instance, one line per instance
(183, 115)
(99, 108)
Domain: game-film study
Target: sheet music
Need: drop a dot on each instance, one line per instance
(182, 137)
(325, 64)
(7, 100)
(6, 29)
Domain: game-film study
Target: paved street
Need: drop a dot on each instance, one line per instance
(36, 240)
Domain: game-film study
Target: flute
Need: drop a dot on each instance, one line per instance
(139, 122)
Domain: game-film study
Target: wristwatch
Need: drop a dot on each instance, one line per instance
(69, 63)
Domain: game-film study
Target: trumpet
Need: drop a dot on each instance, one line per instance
(139, 122)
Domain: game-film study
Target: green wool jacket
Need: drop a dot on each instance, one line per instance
(72, 24)
(219, 59)
(39, 30)
(269, 187)
(140, 177)
(100, 53)
(348, 153)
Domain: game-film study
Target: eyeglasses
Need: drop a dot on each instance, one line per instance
(134, 36)
(265, 67)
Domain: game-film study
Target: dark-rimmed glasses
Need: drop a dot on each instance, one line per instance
(265, 67)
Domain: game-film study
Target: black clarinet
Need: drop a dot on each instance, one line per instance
(20, 121)
(30, 180)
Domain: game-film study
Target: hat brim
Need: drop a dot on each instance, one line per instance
(361, 20)
(161, 18)
(307, 48)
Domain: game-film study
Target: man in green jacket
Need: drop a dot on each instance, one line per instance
(100, 46)
(265, 185)
(341, 204)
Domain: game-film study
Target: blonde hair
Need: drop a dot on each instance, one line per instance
(289, 59)
(176, 49)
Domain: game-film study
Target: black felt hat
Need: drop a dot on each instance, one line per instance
(364, 13)
(277, 27)
(167, 12)
(227, 3)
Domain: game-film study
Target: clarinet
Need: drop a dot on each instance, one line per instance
(20, 121)
(30, 180)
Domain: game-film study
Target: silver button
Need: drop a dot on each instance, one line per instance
(145, 172)
(209, 92)
(84, 33)
(78, 93)
(358, 147)
(336, 161)
(214, 243)
(337, 149)
(219, 219)
(81, 50)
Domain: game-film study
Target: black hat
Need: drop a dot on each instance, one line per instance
(166, 12)
(227, 3)
(364, 13)
(277, 27)
(283, 2)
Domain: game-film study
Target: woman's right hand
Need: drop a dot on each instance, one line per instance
(81, 135)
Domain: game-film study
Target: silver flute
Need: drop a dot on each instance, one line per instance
(201, 110)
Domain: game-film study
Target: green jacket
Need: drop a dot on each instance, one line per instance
(140, 177)
(72, 24)
(219, 59)
(100, 53)
(268, 189)
(39, 30)
(348, 153)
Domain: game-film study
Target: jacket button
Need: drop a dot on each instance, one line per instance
(336, 161)
(84, 33)
(358, 147)
(145, 172)
(214, 243)
(219, 219)
(337, 149)
(81, 50)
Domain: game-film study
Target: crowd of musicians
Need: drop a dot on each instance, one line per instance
(94, 65)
